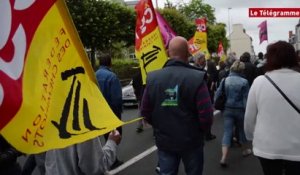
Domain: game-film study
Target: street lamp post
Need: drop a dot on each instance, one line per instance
(229, 8)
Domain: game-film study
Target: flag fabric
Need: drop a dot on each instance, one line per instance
(193, 49)
(165, 30)
(221, 53)
(49, 96)
(263, 31)
(149, 45)
(220, 49)
(200, 37)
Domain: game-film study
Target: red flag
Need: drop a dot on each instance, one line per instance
(263, 32)
(201, 24)
(220, 49)
(149, 45)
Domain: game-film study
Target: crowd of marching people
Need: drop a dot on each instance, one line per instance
(261, 105)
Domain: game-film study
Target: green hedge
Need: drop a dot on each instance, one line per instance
(125, 68)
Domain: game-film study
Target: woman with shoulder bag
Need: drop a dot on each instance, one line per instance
(236, 90)
(272, 118)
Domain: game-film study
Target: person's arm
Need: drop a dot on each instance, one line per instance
(116, 96)
(95, 159)
(204, 107)
(146, 106)
(250, 114)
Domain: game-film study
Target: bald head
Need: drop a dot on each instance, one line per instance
(178, 49)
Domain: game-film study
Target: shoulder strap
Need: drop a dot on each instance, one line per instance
(280, 91)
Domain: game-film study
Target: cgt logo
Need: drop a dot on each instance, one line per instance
(147, 19)
(13, 46)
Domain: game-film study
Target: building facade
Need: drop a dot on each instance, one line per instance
(294, 38)
(240, 41)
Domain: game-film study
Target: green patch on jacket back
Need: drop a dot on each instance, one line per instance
(171, 97)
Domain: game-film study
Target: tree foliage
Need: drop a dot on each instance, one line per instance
(107, 26)
(178, 22)
(215, 34)
(186, 28)
(197, 9)
(102, 23)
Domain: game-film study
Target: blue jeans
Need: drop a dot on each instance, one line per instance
(192, 160)
(233, 117)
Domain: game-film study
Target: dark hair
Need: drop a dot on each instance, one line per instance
(222, 64)
(260, 55)
(245, 57)
(105, 60)
(279, 55)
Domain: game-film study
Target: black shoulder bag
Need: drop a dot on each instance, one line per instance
(220, 101)
(284, 96)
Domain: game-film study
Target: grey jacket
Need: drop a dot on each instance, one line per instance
(88, 158)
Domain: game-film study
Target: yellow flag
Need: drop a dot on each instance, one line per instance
(149, 45)
(49, 97)
(200, 37)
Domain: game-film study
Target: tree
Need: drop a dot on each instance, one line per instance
(197, 9)
(178, 22)
(102, 23)
(186, 28)
(215, 34)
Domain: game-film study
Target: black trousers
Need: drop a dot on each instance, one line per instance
(278, 167)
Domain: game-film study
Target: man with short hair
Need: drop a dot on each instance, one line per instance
(200, 62)
(111, 89)
(179, 109)
(110, 86)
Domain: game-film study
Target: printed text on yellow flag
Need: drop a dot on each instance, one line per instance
(62, 104)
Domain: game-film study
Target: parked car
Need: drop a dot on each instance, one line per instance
(128, 97)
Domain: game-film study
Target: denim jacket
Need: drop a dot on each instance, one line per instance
(111, 89)
(236, 90)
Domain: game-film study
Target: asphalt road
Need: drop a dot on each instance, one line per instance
(133, 144)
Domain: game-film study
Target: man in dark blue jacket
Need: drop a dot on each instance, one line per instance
(179, 109)
(111, 89)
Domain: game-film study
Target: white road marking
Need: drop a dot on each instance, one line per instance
(139, 157)
(132, 161)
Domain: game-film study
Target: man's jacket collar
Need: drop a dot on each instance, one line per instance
(174, 62)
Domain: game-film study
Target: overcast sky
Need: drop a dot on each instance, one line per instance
(278, 28)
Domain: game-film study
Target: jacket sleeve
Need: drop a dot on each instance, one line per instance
(8, 154)
(95, 159)
(250, 114)
(204, 107)
(116, 96)
(146, 106)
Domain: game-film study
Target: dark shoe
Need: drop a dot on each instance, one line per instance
(116, 164)
(139, 129)
(210, 137)
(223, 164)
